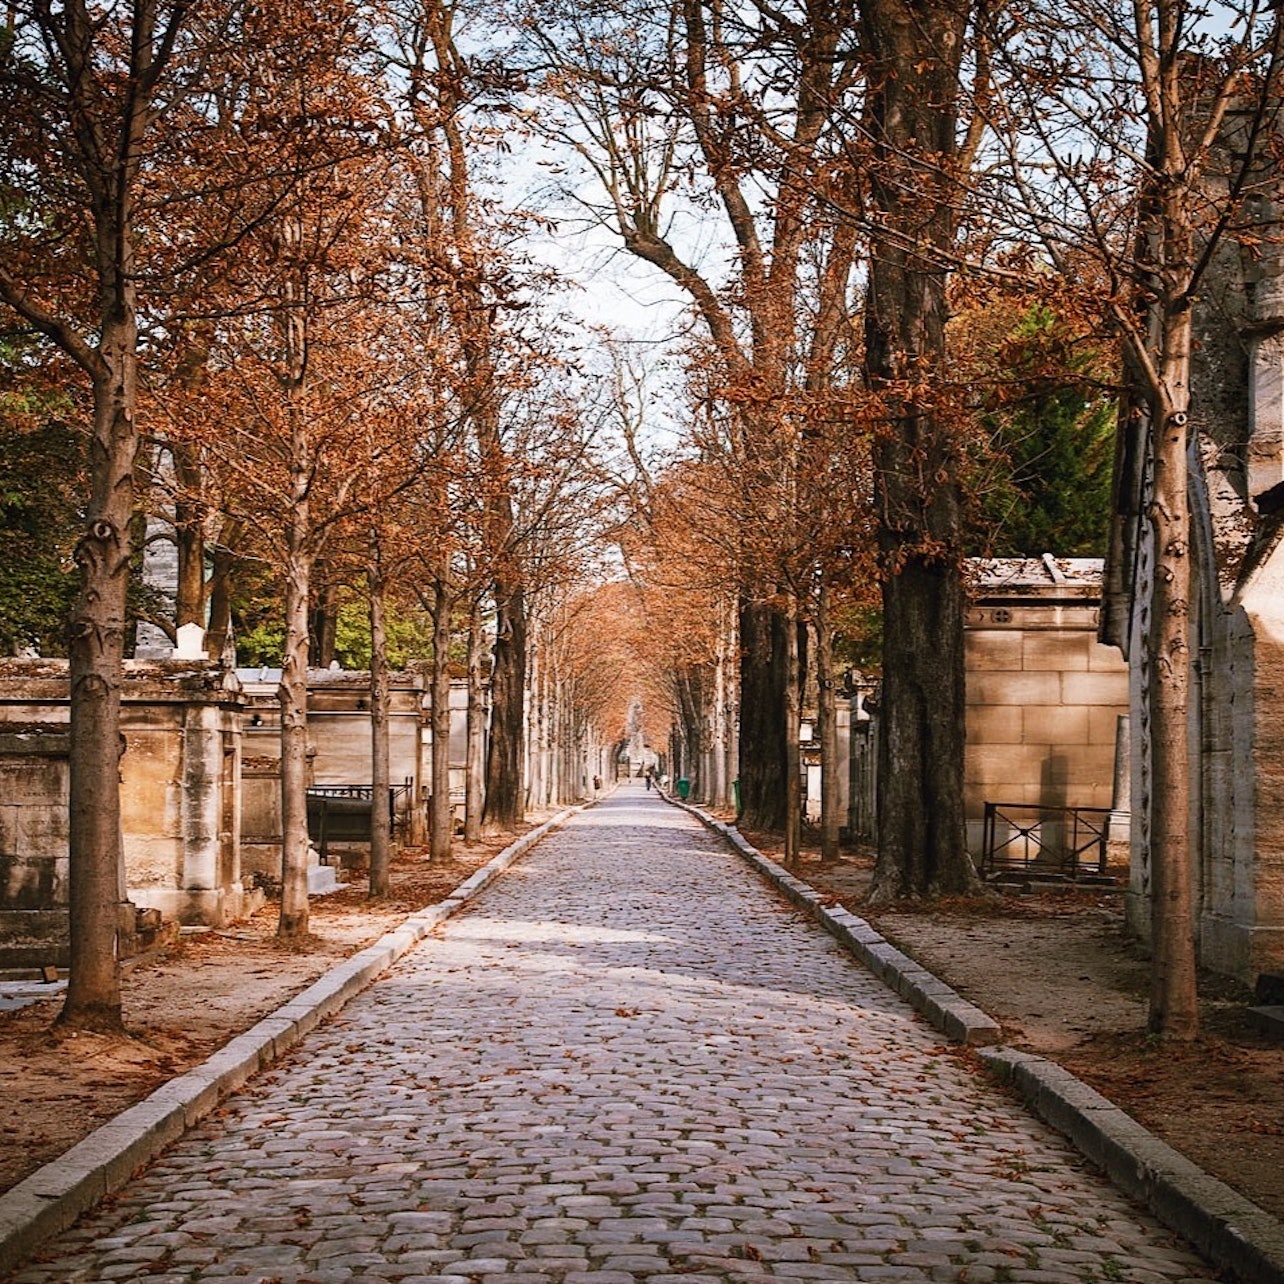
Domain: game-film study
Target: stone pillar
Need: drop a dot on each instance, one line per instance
(182, 850)
(1120, 823)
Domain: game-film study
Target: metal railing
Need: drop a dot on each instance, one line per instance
(356, 791)
(1064, 842)
(342, 813)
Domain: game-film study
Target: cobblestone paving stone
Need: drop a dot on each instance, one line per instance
(627, 1061)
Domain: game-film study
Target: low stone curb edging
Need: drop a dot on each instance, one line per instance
(51, 1198)
(1230, 1230)
(962, 1021)
(1227, 1228)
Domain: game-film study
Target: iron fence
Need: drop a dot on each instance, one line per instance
(1065, 842)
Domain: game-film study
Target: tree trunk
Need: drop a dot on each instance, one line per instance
(218, 636)
(916, 51)
(504, 807)
(763, 749)
(96, 647)
(293, 697)
(1174, 999)
(827, 730)
(440, 816)
(719, 785)
(324, 619)
(921, 848)
(732, 747)
(793, 716)
(380, 769)
(538, 712)
(475, 778)
(189, 536)
(100, 92)
(691, 711)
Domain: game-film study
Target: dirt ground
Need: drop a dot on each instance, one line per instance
(1053, 967)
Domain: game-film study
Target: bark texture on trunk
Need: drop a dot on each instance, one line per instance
(440, 818)
(920, 750)
(380, 767)
(475, 779)
(538, 733)
(764, 753)
(504, 808)
(292, 694)
(1174, 999)
(324, 618)
(827, 730)
(795, 666)
(189, 536)
(96, 647)
(916, 50)
(731, 749)
(218, 636)
(689, 689)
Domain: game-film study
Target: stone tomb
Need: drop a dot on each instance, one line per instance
(180, 809)
(1045, 699)
(339, 751)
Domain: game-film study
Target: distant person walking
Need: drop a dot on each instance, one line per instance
(648, 777)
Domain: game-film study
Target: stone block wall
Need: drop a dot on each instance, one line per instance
(180, 817)
(339, 748)
(180, 796)
(33, 844)
(1240, 849)
(1044, 697)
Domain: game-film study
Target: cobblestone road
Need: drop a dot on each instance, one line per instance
(625, 1061)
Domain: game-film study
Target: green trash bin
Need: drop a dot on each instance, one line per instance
(735, 792)
(684, 788)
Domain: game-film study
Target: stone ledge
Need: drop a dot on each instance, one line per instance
(51, 1199)
(1269, 1019)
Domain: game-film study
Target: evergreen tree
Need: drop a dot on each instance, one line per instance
(42, 485)
(1051, 434)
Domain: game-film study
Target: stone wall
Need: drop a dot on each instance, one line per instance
(180, 819)
(1044, 697)
(1240, 852)
(200, 784)
(1236, 706)
(33, 843)
(339, 746)
(180, 795)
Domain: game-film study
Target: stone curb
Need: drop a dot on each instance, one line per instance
(1229, 1230)
(949, 1012)
(53, 1196)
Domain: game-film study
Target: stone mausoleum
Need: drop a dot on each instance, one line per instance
(180, 800)
(1236, 740)
(200, 789)
(1047, 707)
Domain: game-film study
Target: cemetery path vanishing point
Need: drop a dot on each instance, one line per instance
(627, 1060)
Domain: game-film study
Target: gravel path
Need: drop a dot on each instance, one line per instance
(627, 1061)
